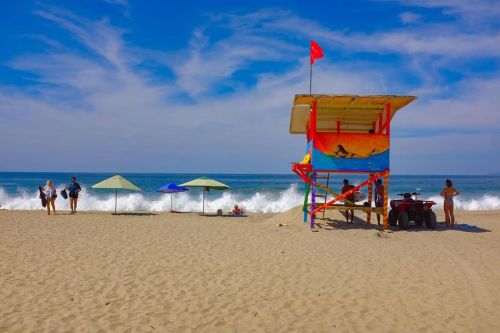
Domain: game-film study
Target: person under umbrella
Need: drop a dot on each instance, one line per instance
(207, 184)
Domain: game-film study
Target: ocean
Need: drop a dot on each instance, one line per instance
(256, 193)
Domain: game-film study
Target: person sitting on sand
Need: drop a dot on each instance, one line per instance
(50, 196)
(448, 193)
(347, 187)
(237, 211)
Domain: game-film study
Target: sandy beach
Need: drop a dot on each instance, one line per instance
(184, 273)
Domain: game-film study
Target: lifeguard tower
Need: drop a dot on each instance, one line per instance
(346, 134)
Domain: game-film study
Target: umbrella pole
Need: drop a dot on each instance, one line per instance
(171, 203)
(203, 202)
(116, 197)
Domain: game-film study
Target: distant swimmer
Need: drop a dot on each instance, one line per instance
(448, 193)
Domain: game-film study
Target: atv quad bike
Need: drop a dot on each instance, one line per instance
(408, 209)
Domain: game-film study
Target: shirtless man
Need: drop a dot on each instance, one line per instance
(379, 196)
(345, 188)
(448, 193)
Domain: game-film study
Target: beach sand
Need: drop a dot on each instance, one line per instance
(184, 273)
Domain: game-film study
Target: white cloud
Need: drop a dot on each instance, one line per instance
(97, 107)
(462, 154)
(98, 36)
(100, 106)
(409, 17)
(477, 11)
(206, 65)
(433, 39)
(470, 107)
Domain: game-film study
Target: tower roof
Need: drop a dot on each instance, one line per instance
(355, 113)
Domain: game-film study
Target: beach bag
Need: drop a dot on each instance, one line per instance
(54, 196)
(42, 197)
(64, 194)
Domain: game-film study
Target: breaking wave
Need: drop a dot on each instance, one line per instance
(257, 202)
(484, 202)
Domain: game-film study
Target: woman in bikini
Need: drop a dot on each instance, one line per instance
(448, 193)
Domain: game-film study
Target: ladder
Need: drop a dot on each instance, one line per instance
(323, 195)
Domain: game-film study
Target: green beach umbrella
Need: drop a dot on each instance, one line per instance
(117, 183)
(207, 184)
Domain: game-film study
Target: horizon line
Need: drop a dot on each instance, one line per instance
(235, 173)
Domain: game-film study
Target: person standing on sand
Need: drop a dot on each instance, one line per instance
(379, 196)
(73, 188)
(347, 187)
(50, 196)
(448, 193)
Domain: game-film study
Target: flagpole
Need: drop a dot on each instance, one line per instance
(310, 78)
(315, 53)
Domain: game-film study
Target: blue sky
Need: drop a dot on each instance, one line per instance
(206, 86)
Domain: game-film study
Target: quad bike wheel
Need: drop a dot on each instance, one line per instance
(403, 220)
(430, 220)
(393, 218)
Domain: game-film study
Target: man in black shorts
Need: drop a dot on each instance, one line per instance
(347, 187)
(74, 188)
(379, 196)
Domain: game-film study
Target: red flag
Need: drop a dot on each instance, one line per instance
(316, 51)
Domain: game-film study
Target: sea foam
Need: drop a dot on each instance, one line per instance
(257, 202)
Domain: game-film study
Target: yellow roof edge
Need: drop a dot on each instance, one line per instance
(316, 96)
(400, 101)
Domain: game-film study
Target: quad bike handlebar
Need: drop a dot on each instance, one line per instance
(408, 194)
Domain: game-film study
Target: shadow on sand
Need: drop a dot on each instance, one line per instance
(336, 224)
(441, 227)
(135, 214)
